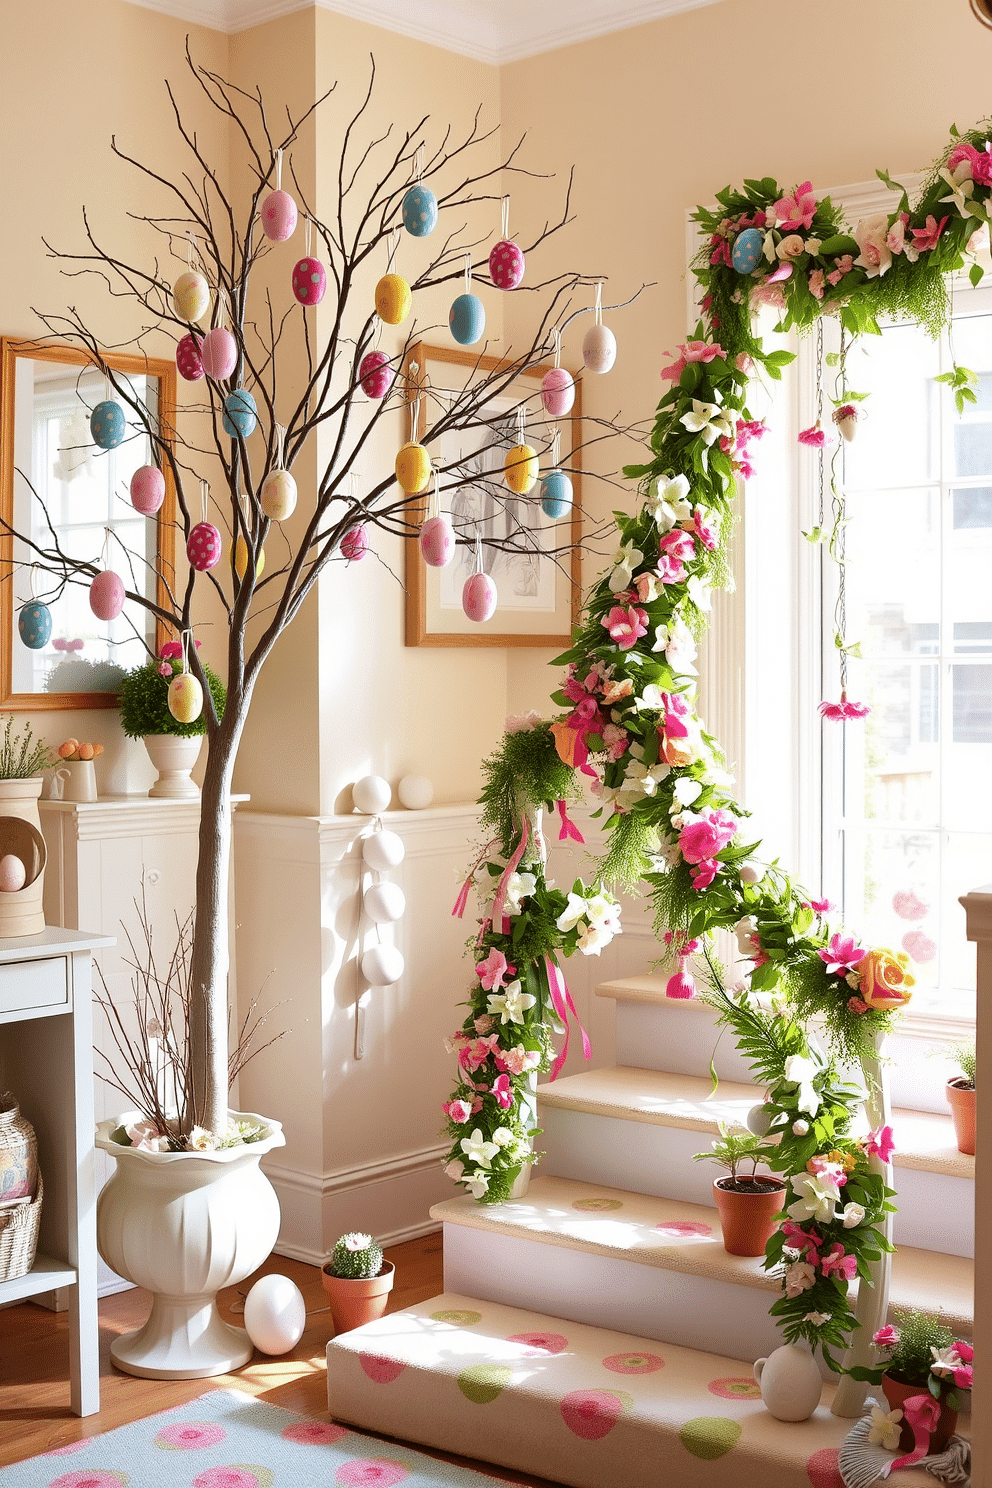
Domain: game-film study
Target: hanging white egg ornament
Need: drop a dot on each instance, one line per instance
(107, 595)
(279, 216)
(413, 468)
(275, 1314)
(240, 413)
(13, 874)
(188, 359)
(521, 468)
(185, 698)
(384, 903)
(467, 319)
(375, 374)
(219, 353)
(416, 792)
(420, 211)
(557, 392)
(599, 348)
(393, 299)
(147, 489)
(191, 296)
(506, 264)
(309, 281)
(479, 598)
(355, 544)
(747, 250)
(556, 494)
(204, 547)
(278, 495)
(371, 795)
(383, 850)
(34, 625)
(382, 965)
(437, 541)
(108, 424)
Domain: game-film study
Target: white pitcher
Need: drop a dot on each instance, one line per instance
(790, 1382)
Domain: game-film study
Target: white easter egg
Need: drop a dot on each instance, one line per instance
(415, 792)
(382, 965)
(383, 850)
(371, 794)
(275, 1314)
(12, 874)
(599, 348)
(759, 1120)
(385, 903)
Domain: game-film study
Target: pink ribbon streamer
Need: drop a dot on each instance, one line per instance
(922, 1413)
(458, 908)
(561, 1001)
(569, 831)
(508, 873)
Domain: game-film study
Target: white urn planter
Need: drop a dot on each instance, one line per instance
(173, 757)
(183, 1225)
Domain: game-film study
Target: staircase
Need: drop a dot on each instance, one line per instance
(599, 1317)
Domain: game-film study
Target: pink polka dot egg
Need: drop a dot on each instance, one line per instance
(204, 547)
(479, 598)
(506, 264)
(147, 489)
(437, 541)
(375, 374)
(107, 595)
(278, 495)
(188, 359)
(355, 544)
(219, 353)
(557, 392)
(279, 216)
(309, 281)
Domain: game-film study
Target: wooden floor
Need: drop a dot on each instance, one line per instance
(34, 1362)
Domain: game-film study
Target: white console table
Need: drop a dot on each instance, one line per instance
(46, 1059)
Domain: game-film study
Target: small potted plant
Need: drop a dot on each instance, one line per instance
(357, 1281)
(747, 1203)
(961, 1096)
(172, 746)
(922, 1376)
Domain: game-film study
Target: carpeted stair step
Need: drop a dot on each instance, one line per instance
(583, 1406)
(638, 1128)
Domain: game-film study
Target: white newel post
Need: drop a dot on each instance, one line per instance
(978, 908)
(873, 1301)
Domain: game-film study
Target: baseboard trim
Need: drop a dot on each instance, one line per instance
(360, 1176)
(393, 1237)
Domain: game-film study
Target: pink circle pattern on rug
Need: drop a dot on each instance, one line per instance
(69, 1448)
(91, 1477)
(314, 1433)
(633, 1363)
(592, 1414)
(677, 1229)
(382, 1371)
(380, 1471)
(235, 1475)
(822, 1469)
(548, 1343)
(735, 1388)
(597, 1206)
(189, 1434)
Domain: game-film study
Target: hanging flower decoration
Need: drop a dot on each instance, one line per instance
(841, 711)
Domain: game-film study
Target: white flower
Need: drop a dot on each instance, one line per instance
(450, 1045)
(455, 1170)
(503, 1136)
(592, 939)
(660, 638)
(799, 1277)
(478, 1150)
(573, 912)
(698, 592)
(511, 1003)
(709, 421)
(681, 648)
(852, 1214)
(769, 247)
(945, 1361)
(648, 777)
(626, 558)
(800, 1128)
(801, 1071)
(876, 255)
(961, 192)
(813, 245)
(687, 789)
(605, 912)
(885, 1428)
(650, 699)
(662, 504)
(201, 1140)
(519, 885)
(477, 1183)
(744, 929)
(816, 1318)
(817, 1197)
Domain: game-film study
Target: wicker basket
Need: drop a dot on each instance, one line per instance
(19, 1226)
(18, 1152)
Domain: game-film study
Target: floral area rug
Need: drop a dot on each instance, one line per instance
(227, 1439)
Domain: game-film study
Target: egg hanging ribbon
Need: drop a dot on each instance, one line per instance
(467, 316)
(599, 345)
(520, 468)
(506, 261)
(419, 204)
(413, 463)
(185, 692)
(558, 388)
(309, 275)
(556, 488)
(279, 494)
(203, 547)
(34, 619)
(278, 214)
(479, 592)
(392, 294)
(437, 536)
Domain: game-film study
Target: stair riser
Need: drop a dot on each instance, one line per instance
(936, 1211)
(669, 1036)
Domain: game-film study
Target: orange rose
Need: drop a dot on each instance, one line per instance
(886, 977)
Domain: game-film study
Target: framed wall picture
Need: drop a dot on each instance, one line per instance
(538, 585)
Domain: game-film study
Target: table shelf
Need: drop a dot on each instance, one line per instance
(45, 1275)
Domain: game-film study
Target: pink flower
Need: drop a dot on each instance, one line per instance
(799, 1238)
(705, 533)
(839, 1263)
(965, 1351)
(516, 1060)
(962, 151)
(503, 1091)
(822, 906)
(472, 1055)
(492, 971)
(816, 284)
(963, 1377)
(981, 169)
(744, 363)
(887, 1337)
(165, 669)
(838, 712)
(626, 625)
(926, 237)
(693, 351)
(173, 650)
(841, 955)
(797, 210)
(703, 874)
(767, 293)
(814, 437)
(721, 251)
(879, 1142)
(846, 410)
(702, 840)
(615, 740)
(857, 1005)
(896, 236)
(457, 1110)
(681, 985)
(845, 263)
(875, 256)
(678, 545)
(670, 569)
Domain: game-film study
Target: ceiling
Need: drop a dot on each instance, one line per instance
(494, 31)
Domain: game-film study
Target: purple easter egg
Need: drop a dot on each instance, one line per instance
(506, 264)
(309, 281)
(479, 598)
(188, 358)
(355, 544)
(107, 595)
(376, 374)
(204, 546)
(437, 541)
(279, 216)
(219, 354)
(147, 489)
(557, 392)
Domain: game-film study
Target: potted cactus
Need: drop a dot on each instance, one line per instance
(747, 1203)
(961, 1096)
(357, 1281)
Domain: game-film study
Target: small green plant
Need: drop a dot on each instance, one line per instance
(356, 1256)
(736, 1145)
(144, 701)
(22, 755)
(922, 1352)
(964, 1054)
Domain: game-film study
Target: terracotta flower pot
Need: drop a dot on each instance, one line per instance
(896, 1393)
(961, 1099)
(747, 1215)
(357, 1300)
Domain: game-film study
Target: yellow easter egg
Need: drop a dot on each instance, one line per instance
(278, 495)
(191, 295)
(393, 299)
(521, 468)
(241, 560)
(185, 698)
(413, 468)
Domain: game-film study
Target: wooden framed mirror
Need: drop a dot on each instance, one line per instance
(58, 486)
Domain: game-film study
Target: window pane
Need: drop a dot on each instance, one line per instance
(895, 751)
(893, 547)
(897, 440)
(972, 688)
(972, 507)
(893, 894)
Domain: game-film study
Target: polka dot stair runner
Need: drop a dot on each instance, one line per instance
(581, 1406)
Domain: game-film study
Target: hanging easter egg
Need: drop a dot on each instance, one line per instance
(520, 469)
(556, 494)
(371, 795)
(241, 560)
(467, 319)
(219, 353)
(383, 850)
(309, 281)
(203, 549)
(384, 903)
(420, 210)
(375, 374)
(506, 264)
(747, 250)
(191, 296)
(416, 792)
(437, 541)
(240, 413)
(275, 1314)
(393, 299)
(278, 495)
(147, 489)
(279, 216)
(188, 359)
(413, 468)
(185, 698)
(13, 874)
(34, 625)
(382, 965)
(355, 544)
(108, 424)
(107, 595)
(599, 348)
(557, 392)
(479, 598)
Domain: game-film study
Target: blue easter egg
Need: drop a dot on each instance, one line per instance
(420, 210)
(467, 319)
(108, 424)
(556, 494)
(747, 250)
(240, 413)
(34, 625)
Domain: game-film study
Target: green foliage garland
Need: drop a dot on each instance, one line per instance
(144, 701)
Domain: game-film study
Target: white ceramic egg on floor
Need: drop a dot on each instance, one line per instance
(383, 850)
(385, 903)
(275, 1314)
(382, 965)
(371, 794)
(416, 792)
